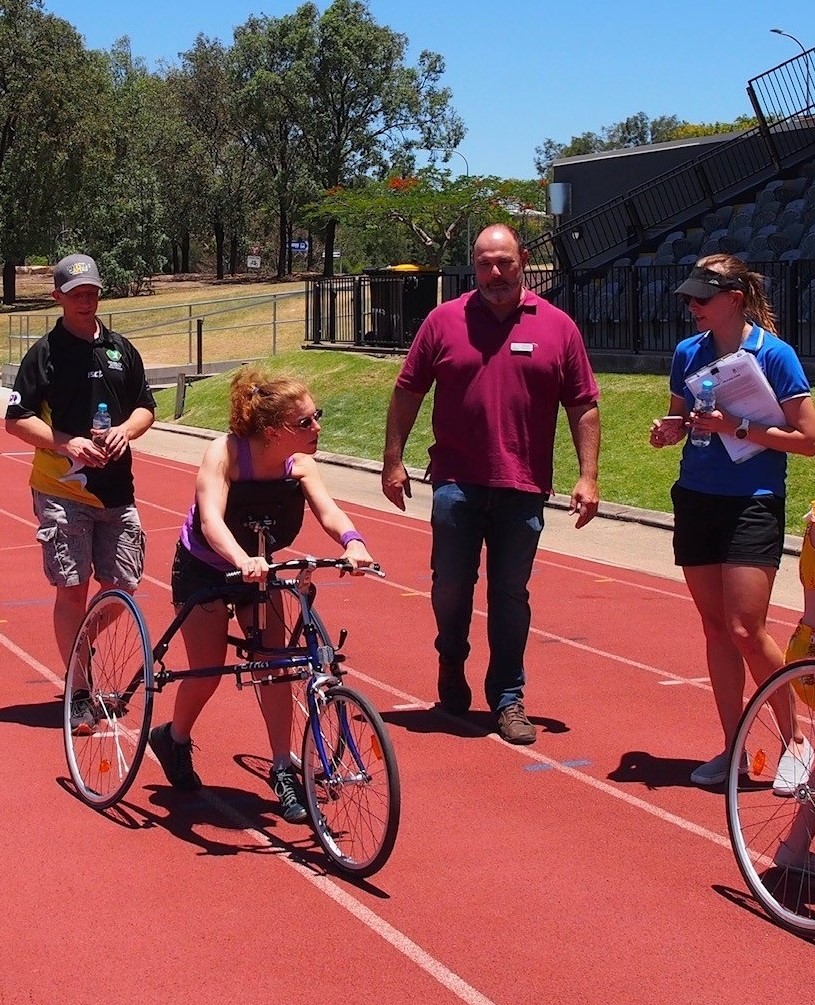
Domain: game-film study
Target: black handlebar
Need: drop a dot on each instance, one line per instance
(310, 562)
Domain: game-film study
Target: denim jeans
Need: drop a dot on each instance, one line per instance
(509, 522)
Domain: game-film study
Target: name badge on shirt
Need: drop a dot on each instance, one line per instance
(524, 347)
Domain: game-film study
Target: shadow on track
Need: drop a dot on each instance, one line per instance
(657, 772)
(471, 726)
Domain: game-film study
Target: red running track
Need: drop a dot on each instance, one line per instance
(585, 868)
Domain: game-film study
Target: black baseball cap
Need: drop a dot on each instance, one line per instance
(702, 284)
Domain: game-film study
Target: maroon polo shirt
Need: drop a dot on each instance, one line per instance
(499, 385)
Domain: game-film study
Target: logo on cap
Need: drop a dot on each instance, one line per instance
(78, 268)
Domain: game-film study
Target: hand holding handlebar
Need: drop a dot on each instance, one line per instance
(307, 562)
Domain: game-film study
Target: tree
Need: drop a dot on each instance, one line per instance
(431, 206)
(264, 55)
(686, 130)
(43, 68)
(125, 230)
(205, 88)
(636, 130)
(352, 100)
(180, 167)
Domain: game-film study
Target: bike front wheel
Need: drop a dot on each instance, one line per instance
(299, 688)
(288, 612)
(772, 833)
(108, 699)
(351, 782)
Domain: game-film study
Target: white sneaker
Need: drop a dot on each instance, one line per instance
(714, 771)
(794, 768)
(785, 858)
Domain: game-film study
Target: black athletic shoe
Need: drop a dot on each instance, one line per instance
(289, 791)
(174, 758)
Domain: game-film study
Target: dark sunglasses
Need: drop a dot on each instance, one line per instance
(687, 300)
(307, 420)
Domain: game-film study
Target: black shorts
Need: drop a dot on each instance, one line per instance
(190, 575)
(727, 530)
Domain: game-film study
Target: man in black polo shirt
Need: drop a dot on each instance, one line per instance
(82, 487)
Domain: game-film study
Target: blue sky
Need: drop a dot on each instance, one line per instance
(526, 70)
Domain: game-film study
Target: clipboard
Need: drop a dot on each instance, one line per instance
(743, 389)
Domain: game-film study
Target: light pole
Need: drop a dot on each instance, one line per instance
(451, 150)
(786, 34)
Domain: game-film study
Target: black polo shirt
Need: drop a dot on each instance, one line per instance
(61, 380)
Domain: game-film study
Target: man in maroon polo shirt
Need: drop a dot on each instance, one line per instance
(503, 361)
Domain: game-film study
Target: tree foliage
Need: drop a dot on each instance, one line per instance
(124, 230)
(634, 131)
(432, 207)
(265, 55)
(306, 121)
(353, 100)
(45, 76)
(205, 90)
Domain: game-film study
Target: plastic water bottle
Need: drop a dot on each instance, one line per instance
(705, 402)
(100, 423)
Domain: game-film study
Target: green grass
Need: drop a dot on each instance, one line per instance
(354, 390)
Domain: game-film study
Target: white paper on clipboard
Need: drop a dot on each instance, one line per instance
(743, 390)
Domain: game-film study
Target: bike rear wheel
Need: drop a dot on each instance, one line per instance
(355, 806)
(108, 699)
(772, 835)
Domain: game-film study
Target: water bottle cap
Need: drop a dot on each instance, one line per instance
(102, 406)
(708, 385)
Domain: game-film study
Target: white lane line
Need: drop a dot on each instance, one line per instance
(157, 462)
(548, 563)
(593, 650)
(161, 509)
(687, 680)
(564, 768)
(702, 684)
(29, 660)
(378, 925)
(531, 755)
(19, 519)
(433, 967)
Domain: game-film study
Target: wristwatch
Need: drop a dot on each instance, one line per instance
(742, 429)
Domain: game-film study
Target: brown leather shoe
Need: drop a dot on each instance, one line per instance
(454, 691)
(513, 725)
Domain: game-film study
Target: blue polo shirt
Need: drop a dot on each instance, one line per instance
(710, 469)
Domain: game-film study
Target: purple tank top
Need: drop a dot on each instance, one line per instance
(265, 498)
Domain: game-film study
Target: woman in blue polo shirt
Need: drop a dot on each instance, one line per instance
(728, 516)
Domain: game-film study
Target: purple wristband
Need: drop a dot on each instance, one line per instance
(349, 536)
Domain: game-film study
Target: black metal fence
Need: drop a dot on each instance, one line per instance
(381, 309)
(634, 310)
(627, 310)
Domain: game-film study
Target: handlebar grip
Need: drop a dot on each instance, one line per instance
(236, 576)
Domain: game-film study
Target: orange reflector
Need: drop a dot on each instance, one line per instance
(104, 766)
(759, 760)
(375, 747)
